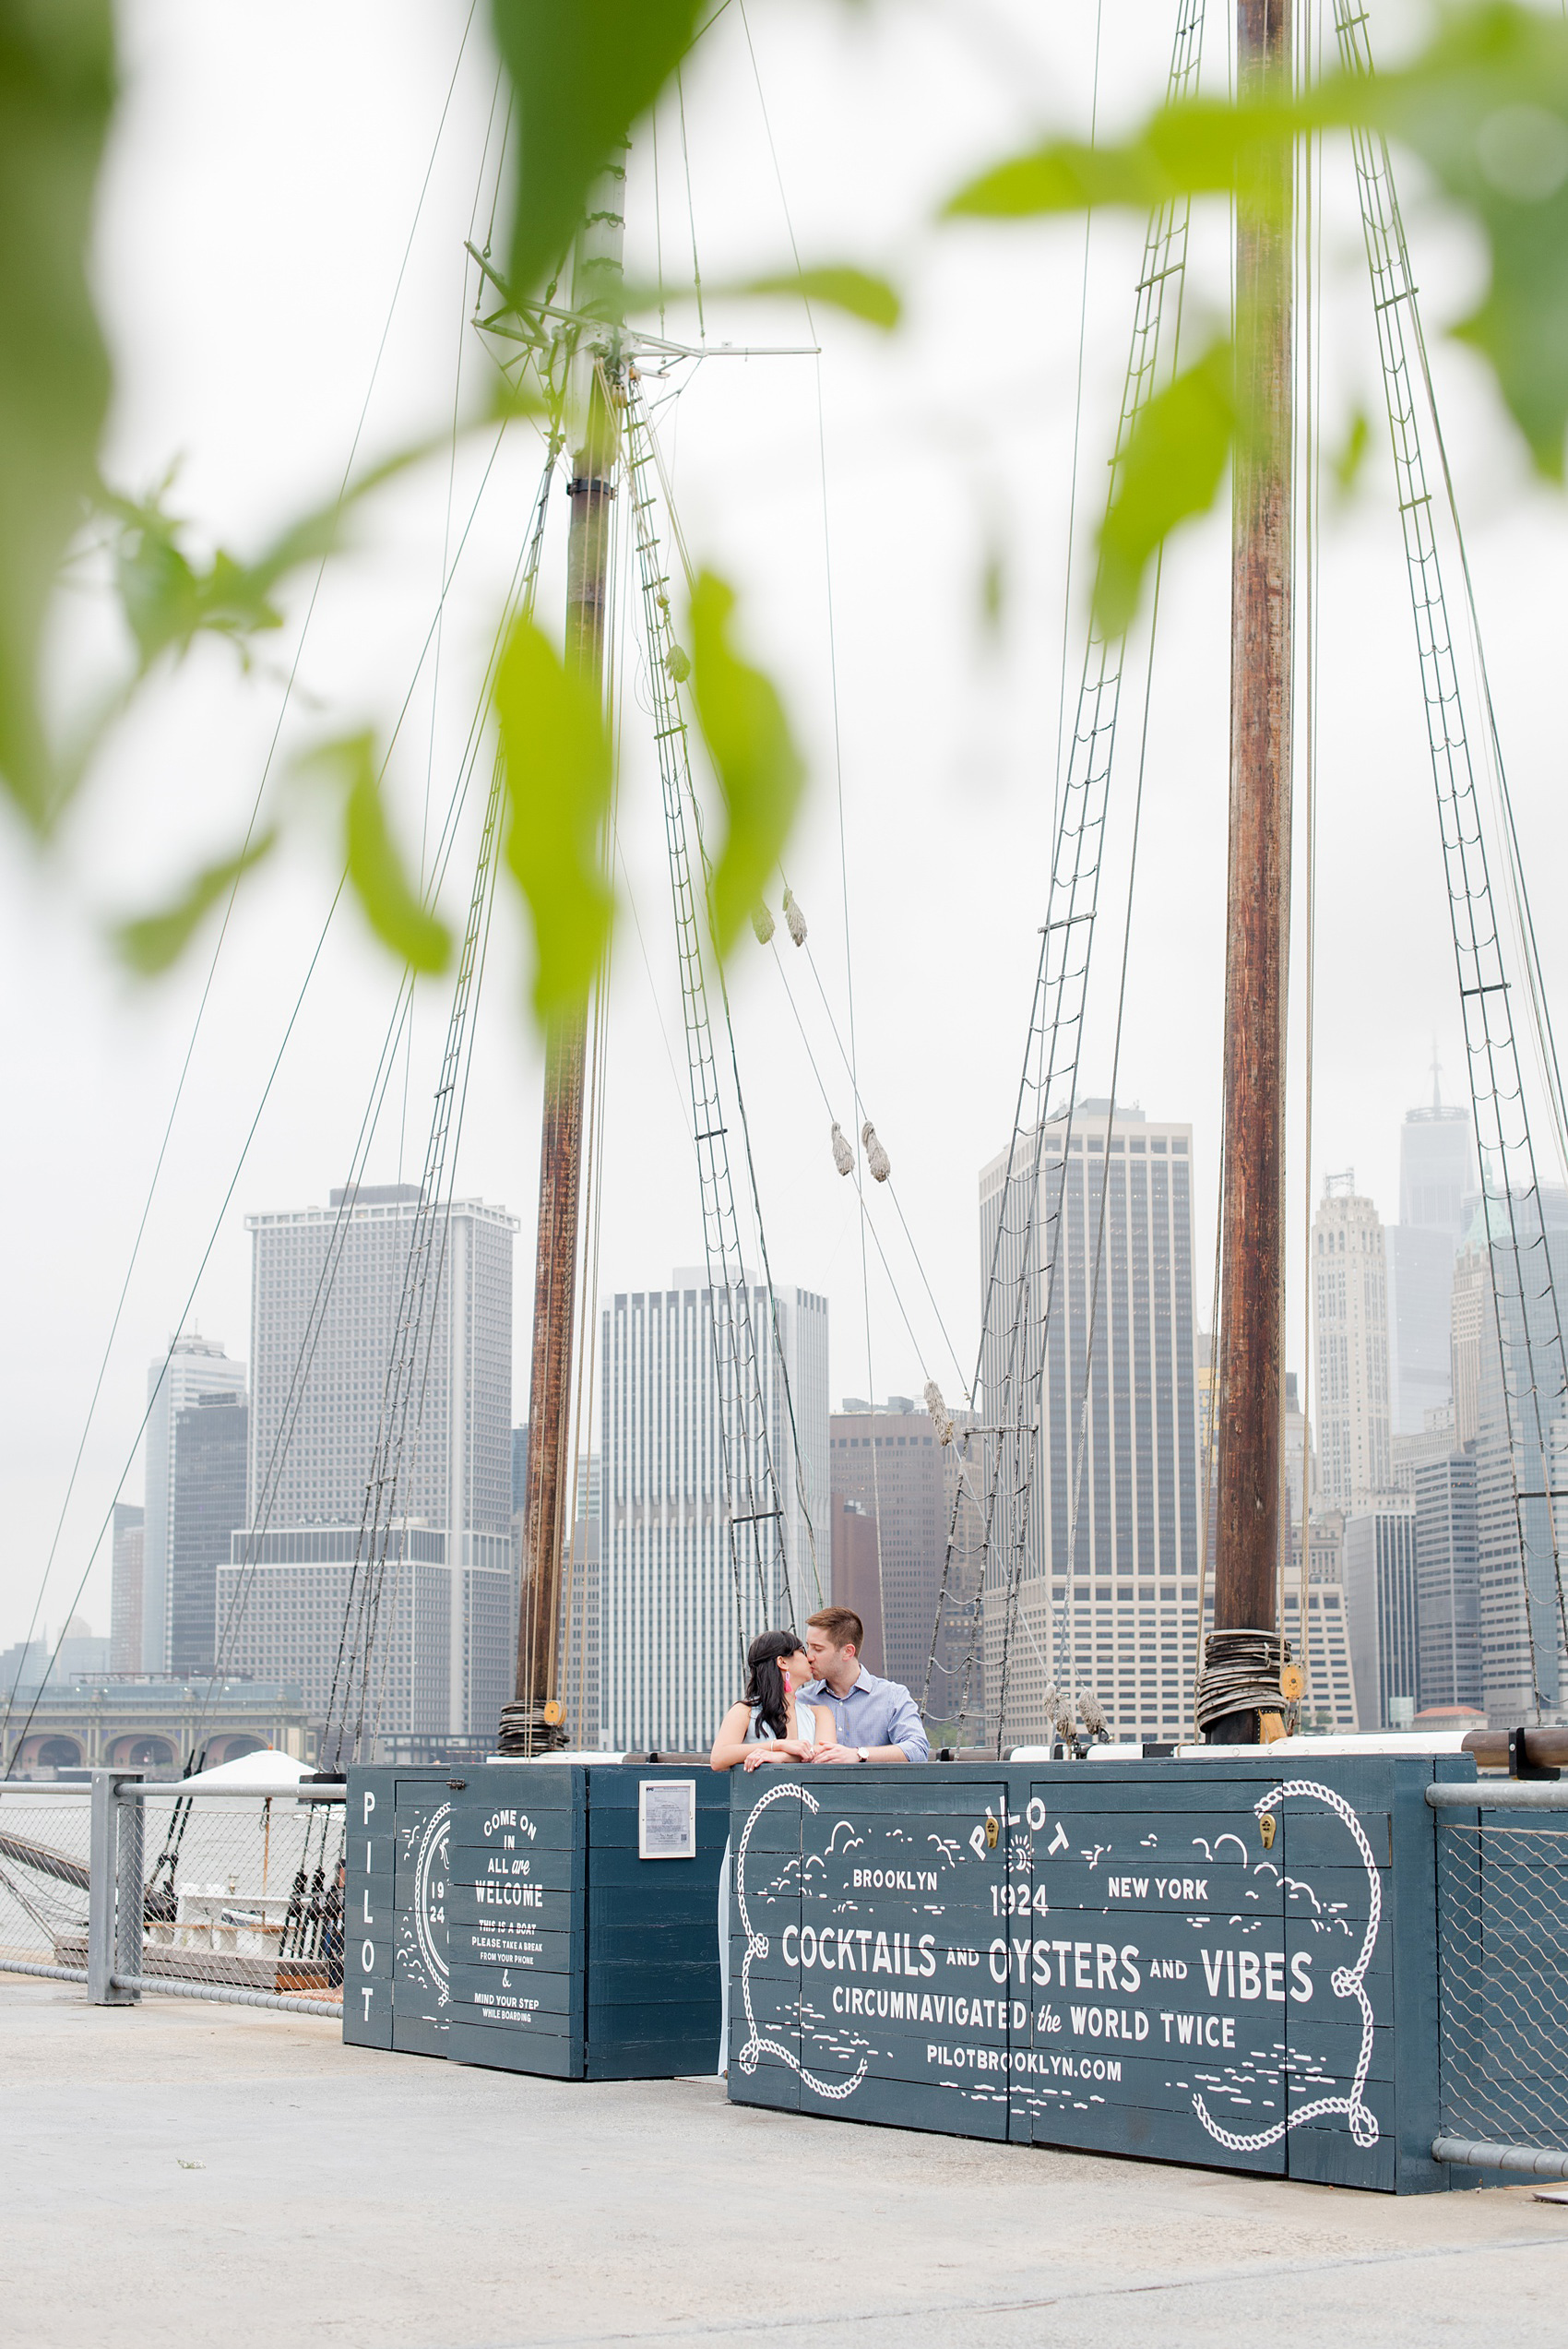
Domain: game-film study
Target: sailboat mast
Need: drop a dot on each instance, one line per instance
(1250, 1335)
(532, 1723)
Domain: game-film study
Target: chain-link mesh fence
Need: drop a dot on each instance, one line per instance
(1502, 1981)
(245, 1891)
(238, 1892)
(45, 1853)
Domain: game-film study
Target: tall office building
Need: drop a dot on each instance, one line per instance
(579, 1673)
(1381, 1608)
(1447, 1581)
(209, 1504)
(125, 1588)
(1522, 1655)
(672, 1626)
(1412, 1453)
(1437, 1185)
(857, 1575)
(194, 1366)
(1350, 1335)
(888, 1459)
(959, 1663)
(1471, 1334)
(326, 1287)
(1107, 1595)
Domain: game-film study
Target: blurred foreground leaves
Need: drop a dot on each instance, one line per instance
(372, 860)
(558, 780)
(168, 599)
(1482, 103)
(154, 942)
(1172, 468)
(581, 72)
(760, 771)
(56, 90)
(1483, 106)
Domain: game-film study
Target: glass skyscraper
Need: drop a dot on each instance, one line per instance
(1108, 1590)
(326, 1290)
(672, 1630)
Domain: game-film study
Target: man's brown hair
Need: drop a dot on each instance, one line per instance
(842, 1625)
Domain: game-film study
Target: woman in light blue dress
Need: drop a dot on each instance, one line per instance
(769, 1724)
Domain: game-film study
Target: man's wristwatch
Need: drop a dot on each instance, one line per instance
(865, 1752)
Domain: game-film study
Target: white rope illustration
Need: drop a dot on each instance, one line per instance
(1347, 1982)
(756, 1946)
(432, 1856)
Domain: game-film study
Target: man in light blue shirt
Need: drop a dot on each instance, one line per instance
(873, 1720)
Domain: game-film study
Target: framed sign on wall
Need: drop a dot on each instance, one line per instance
(667, 1818)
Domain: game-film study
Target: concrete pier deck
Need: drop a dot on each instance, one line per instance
(187, 2172)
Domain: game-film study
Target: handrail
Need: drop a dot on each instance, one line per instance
(176, 1789)
(189, 1790)
(164, 1986)
(1527, 2161)
(1507, 1795)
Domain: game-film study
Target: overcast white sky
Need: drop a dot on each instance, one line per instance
(281, 256)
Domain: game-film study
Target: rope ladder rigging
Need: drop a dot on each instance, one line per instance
(1526, 1319)
(1025, 1246)
(755, 1520)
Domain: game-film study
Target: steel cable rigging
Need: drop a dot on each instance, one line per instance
(759, 1555)
(1025, 1245)
(1526, 1320)
(225, 919)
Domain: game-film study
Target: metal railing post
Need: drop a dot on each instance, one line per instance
(130, 1896)
(108, 1949)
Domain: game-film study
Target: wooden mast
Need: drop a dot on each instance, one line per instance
(1253, 1207)
(533, 1723)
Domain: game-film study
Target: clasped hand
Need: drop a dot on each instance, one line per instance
(795, 1749)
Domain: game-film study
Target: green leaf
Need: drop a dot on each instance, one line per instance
(558, 772)
(582, 71)
(56, 91)
(388, 900)
(167, 601)
(760, 771)
(993, 589)
(1484, 105)
(1345, 463)
(1199, 147)
(1174, 465)
(838, 286)
(154, 942)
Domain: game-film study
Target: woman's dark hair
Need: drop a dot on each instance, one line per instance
(764, 1682)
